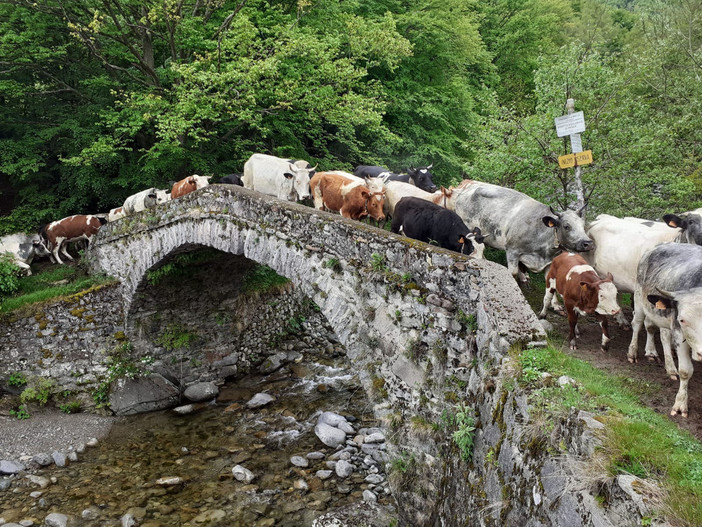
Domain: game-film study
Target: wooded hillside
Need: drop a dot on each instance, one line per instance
(101, 98)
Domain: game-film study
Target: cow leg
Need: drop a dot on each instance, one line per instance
(513, 266)
(635, 329)
(686, 369)
(651, 352)
(604, 345)
(573, 321)
(667, 341)
(549, 295)
(64, 251)
(55, 252)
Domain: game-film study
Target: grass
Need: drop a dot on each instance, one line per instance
(43, 286)
(263, 278)
(637, 440)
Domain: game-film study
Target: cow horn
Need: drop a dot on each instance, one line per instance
(663, 292)
(314, 167)
(430, 166)
(581, 210)
(554, 212)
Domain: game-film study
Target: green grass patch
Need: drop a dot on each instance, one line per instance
(55, 282)
(263, 278)
(637, 440)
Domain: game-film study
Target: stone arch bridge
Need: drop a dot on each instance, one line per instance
(433, 324)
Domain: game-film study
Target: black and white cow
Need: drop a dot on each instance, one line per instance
(427, 222)
(420, 177)
(668, 295)
(232, 179)
(283, 178)
(530, 232)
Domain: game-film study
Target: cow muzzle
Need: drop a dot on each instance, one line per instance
(584, 246)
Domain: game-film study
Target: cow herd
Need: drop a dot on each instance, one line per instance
(660, 263)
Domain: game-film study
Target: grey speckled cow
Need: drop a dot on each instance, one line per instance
(530, 232)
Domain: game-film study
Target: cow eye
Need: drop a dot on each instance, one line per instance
(567, 227)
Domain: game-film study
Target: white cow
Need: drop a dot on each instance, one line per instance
(619, 246)
(143, 200)
(278, 177)
(23, 248)
(668, 295)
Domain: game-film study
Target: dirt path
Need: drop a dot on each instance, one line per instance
(658, 390)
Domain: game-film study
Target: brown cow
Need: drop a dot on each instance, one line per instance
(583, 292)
(79, 227)
(350, 197)
(188, 185)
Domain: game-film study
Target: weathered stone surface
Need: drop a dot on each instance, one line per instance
(202, 391)
(259, 400)
(56, 519)
(143, 394)
(10, 467)
(243, 474)
(329, 435)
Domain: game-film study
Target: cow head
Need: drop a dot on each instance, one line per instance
(162, 196)
(300, 180)
(375, 201)
(200, 181)
(686, 309)
(477, 238)
(569, 230)
(463, 244)
(690, 223)
(423, 178)
(603, 295)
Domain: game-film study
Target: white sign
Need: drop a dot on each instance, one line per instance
(573, 123)
(576, 143)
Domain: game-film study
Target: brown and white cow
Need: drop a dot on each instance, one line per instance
(350, 197)
(583, 292)
(116, 214)
(188, 185)
(56, 234)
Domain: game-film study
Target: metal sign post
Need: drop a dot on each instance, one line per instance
(571, 125)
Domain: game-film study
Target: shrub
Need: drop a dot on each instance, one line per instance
(9, 275)
(38, 391)
(17, 379)
(463, 435)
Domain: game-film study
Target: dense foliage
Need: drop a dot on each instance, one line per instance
(101, 98)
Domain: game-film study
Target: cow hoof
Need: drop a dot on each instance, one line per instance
(626, 327)
(632, 360)
(674, 376)
(572, 347)
(604, 350)
(561, 312)
(652, 358)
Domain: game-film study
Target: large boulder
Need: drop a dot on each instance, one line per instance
(143, 394)
(202, 391)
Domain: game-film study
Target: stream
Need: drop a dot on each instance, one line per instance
(166, 469)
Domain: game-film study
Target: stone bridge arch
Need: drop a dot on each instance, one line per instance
(432, 324)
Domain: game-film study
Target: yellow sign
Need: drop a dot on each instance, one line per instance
(569, 160)
(566, 161)
(584, 158)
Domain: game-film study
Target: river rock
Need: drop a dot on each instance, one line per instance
(243, 474)
(299, 461)
(202, 391)
(323, 474)
(375, 437)
(72, 456)
(259, 400)
(128, 520)
(169, 481)
(56, 519)
(369, 496)
(185, 409)
(330, 436)
(91, 442)
(273, 363)
(346, 427)
(374, 478)
(43, 459)
(41, 481)
(343, 468)
(5, 484)
(300, 484)
(315, 455)
(10, 467)
(143, 394)
(91, 513)
(59, 458)
(210, 517)
(331, 419)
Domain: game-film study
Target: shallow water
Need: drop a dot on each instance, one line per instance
(119, 475)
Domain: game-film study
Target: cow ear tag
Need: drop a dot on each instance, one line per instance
(461, 240)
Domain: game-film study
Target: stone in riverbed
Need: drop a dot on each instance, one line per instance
(243, 474)
(331, 419)
(39, 480)
(202, 391)
(169, 481)
(143, 394)
(299, 461)
(259, 400)
(376, 437)
(315, 455)
(324, 474)
(329, 435)
(56, 519)
(343, 468)
(43, 459)
(10, 467)
(369, 496)
(59, 458)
